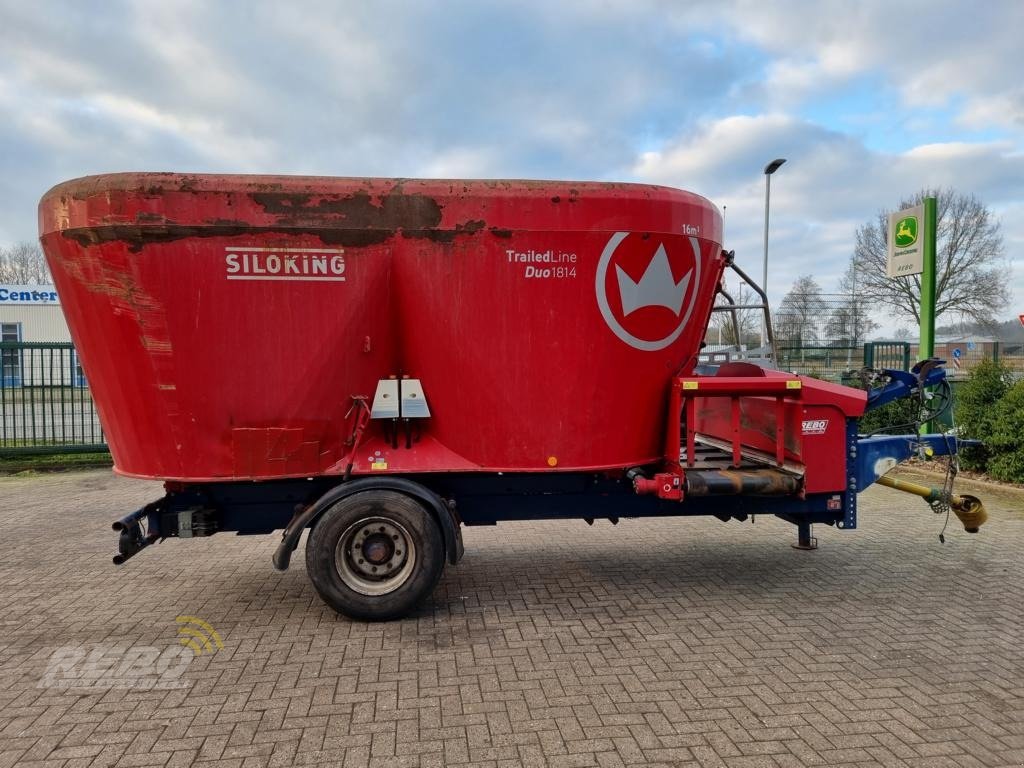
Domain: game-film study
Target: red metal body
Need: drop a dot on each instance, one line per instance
(226, 322)
(794, 422)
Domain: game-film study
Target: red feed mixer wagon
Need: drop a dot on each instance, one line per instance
(383, 361)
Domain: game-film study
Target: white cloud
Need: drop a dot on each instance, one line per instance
(698, 95)
(463, 162)
(932, 52)
(829, 186)
(1004, 109)
(209, 138)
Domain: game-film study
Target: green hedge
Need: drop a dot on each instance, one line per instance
(975, 409)
(1006, 439)
(990, 408)
(899, 415)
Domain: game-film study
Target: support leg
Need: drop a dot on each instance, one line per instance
(804, 539)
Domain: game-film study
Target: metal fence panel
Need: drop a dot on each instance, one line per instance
(821, 334)
(822, 362)
(45, 402)
(887, 354)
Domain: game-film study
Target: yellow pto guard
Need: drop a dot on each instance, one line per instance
(968, 509)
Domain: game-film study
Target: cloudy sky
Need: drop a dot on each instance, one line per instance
(868, 101)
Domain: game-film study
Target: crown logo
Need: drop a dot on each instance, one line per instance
(656, 288)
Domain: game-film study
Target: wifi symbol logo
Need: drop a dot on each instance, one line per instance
(198, 635)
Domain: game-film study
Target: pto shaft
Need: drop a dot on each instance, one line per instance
(969, 509)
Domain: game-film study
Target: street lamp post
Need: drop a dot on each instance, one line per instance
(769, 169)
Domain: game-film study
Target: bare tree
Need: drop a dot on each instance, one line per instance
(904, 334)
(801, 313)
(748, 320)
(970, 269)
(24, 264)
(851, 321)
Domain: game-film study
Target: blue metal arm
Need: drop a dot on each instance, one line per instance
(927, 373)
(878, 454)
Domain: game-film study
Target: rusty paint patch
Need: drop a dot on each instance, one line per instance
(497, 232)
(151, 344)
(395, 210)
(137, 236)
(446, 235)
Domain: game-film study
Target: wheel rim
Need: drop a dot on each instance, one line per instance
(375, 556)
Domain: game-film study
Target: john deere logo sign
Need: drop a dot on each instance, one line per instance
(906, 232)
(906, 251)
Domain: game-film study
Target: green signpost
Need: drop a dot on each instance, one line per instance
(927, 347)
(912, 237)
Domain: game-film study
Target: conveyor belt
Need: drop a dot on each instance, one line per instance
(712, 474)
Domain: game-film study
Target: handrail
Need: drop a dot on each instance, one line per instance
(732, 308)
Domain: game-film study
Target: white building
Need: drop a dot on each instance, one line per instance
(32, 313)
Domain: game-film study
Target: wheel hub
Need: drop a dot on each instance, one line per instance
(375, 556)
(377, 549)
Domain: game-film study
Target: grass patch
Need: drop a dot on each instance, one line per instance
(56, 462)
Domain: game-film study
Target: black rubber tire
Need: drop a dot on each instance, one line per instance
(332, 524)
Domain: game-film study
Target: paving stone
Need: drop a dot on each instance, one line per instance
(683, 642)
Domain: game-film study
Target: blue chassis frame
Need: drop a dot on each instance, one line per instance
(247, 507)
(486, 499)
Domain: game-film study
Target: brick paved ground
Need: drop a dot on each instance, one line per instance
(687, 643)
